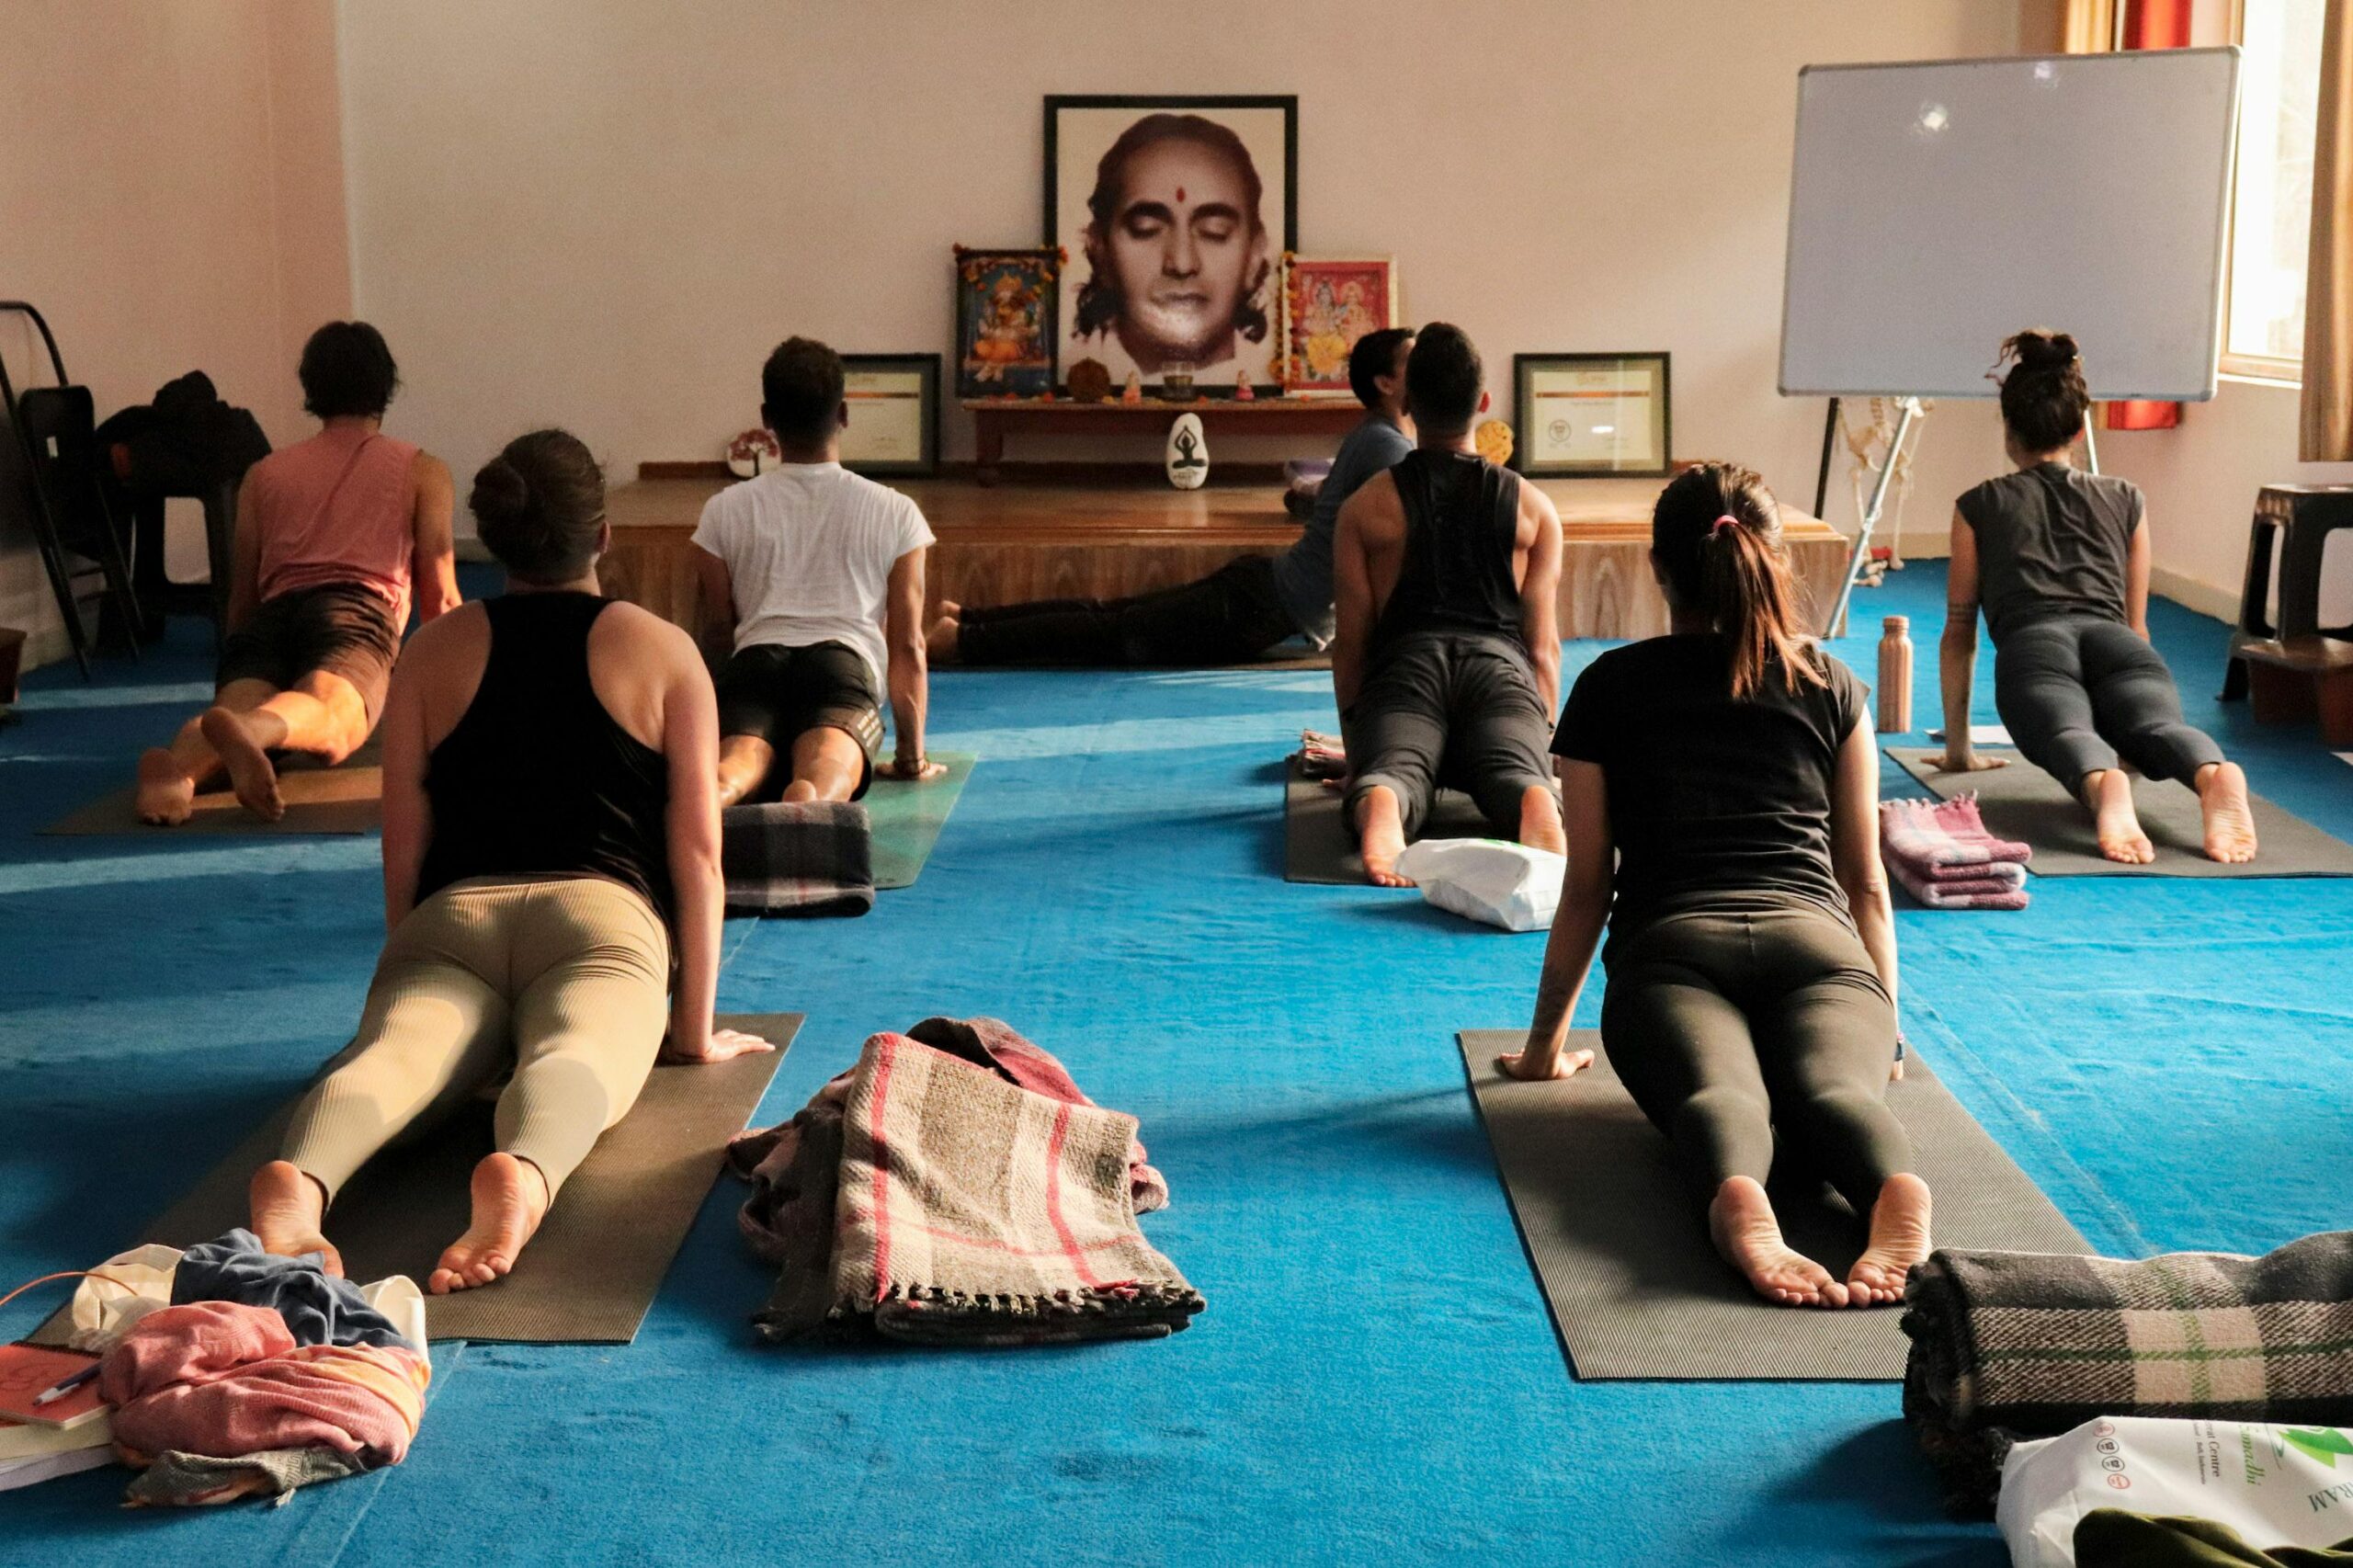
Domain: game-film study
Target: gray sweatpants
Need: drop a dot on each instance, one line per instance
(2075, 691)
(1455, 709)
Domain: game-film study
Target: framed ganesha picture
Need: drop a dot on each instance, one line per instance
(1006, 302)
(1328, 304)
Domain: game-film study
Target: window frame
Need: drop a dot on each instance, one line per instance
(2281, 368)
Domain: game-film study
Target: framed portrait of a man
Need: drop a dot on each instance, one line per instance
(1176, 214)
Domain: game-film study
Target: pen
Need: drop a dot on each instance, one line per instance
(65, 1385)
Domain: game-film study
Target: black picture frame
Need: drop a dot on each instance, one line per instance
(1050, 223)
(1524, 459)
(928, 367)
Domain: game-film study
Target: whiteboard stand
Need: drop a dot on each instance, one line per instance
(1908, 412)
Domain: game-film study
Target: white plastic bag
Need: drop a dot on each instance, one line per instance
(2275, 1485)
(1484, 879)
(104, 1309)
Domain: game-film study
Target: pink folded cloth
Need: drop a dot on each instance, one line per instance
(2005, 875)
(1925, 835)
(1975, 893)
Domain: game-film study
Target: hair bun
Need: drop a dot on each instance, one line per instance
(2039, 351)
(501, 493)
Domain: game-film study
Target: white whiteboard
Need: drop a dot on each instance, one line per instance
(1937, 208)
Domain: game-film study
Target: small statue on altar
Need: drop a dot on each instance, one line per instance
(1133, 391)
(1243, 391)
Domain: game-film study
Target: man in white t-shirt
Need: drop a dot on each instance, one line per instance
(819, 572)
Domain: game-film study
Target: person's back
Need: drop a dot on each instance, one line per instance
(337, 509)
(2053, 540)
(1462, 554)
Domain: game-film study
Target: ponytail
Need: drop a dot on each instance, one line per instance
(1716, 534)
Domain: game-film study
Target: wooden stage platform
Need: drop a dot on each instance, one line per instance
(1032, 541)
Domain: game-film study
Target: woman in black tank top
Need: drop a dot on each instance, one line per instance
(550, 868)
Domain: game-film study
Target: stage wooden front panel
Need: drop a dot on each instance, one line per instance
(1033, 542)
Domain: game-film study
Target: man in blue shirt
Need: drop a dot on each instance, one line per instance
(1237, 612)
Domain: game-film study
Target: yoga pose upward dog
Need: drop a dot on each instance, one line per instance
(1721, 787)
(550, 837)
(2059, 559)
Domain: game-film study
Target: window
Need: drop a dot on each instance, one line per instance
(2278, 97)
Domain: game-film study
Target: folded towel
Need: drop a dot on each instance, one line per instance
(1926, 834)
(2004, 874)
(2007, 1344)
(806, 858)
(1994, 889)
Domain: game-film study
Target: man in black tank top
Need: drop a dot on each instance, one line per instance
(1446, 658)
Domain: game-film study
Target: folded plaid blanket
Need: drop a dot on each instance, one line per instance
(813, 858)
(1929, 833)
(1999, 884)
(2007, 1345)
(1322, 755)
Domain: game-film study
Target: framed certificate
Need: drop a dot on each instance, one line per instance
(1591, 415)
(894, 429)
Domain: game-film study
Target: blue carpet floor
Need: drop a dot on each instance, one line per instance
(1375, 1380)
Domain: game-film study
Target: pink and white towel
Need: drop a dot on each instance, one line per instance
(1941, 852)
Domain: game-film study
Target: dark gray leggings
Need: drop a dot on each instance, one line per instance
(2075, 691)
(1454, 708)
(1732, 1028)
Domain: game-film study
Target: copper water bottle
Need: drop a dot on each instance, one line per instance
(1895, 676)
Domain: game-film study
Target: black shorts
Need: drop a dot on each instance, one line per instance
(778, 694)
(341, 628)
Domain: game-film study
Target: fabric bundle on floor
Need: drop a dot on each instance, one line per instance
(803, 859)
(2114, 1538)
(2007, 1345)
(957, 1187)
(264, 1374)
(1941, 854)
(1322, 755)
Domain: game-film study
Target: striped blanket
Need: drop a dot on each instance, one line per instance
(812, 857)
(2007, 1345)
(1940, 853)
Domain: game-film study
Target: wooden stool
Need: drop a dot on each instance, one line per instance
(2292, 521)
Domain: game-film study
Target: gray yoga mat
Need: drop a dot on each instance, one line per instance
(1636, 1290)
(1318, 846)
(907, 818)
(348, 798)
(600, 1257)
(2023, 802)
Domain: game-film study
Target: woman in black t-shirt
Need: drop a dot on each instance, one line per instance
(1721, 786)
(2060, 560)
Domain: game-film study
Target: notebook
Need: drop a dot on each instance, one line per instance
(49, 1467)
(29, 1370)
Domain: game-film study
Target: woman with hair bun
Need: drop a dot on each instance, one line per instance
(2060, 561)
(1721, 786)
(551, 884)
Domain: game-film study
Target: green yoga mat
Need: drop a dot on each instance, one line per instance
(2023, 803)
(907, 818)
(346, 799)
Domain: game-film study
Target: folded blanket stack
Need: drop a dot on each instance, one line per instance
(1942, 855)
(955, 1187)
(1322, 755)
(803, 857)
(2007, 1345)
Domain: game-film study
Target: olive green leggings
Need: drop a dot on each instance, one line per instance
(566, 981)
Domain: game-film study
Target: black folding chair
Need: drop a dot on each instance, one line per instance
(71, 519)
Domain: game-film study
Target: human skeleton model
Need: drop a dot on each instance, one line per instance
(1863, 440)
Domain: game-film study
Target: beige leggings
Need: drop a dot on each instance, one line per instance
(566, 981)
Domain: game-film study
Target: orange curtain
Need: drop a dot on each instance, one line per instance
(2328, 424)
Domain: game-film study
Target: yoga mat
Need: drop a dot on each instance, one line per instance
(2023, 802)
(1636, 1288)
(1318, 846)
(907, 818)
(601, 1256)
(347, 797)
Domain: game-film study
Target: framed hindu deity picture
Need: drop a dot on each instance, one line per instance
(1591, 415)
(894, 429)
(1007, 302)
(1176, 214)
(1327, 305)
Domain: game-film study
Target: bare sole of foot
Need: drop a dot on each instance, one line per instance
(166, 795)
(1381, 836)
(287, 1207)
(2115, 821)
(1742, 1223)
(1540, 822)
(510, 1198)
(250, 772)
(2229, 820)
(1899, 1240)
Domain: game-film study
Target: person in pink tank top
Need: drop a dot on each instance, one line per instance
(335, 537)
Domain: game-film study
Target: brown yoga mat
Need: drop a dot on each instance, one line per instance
(1317, 845)
(592, 1271)
(348, 798)
(2024, 803)
(1622, 1256)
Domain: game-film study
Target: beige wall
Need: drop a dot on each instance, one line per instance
(171, 197)
(603, 214)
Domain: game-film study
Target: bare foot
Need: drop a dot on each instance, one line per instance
(510, 1198)
(952, 609)
(1741, 1221)
(939, 643)
(250, 772)
(2230, 821)
(1899, 1240)
(167, 794)
(2118, 826)
(287, 1207)
(1382, 830)
(1539, 821)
